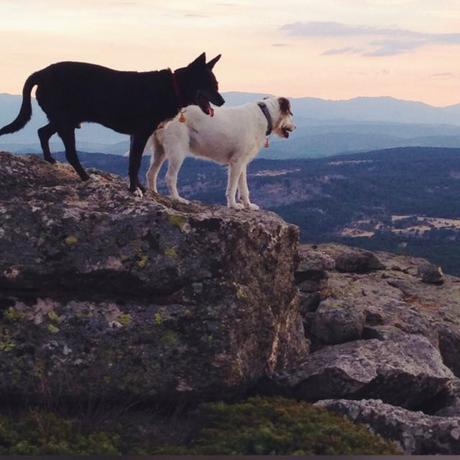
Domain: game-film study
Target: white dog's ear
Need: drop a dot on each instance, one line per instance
(285, 106)
(213, 62)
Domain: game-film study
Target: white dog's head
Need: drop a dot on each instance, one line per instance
(283, 121)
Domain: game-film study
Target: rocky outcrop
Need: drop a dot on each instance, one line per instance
(105, 295)
(415, 432)
(404, 297)
(407, 372)
(386, 329)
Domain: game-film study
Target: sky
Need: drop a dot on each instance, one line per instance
(332, 49)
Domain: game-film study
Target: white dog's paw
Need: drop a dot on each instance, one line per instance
(96, 177)
(252, 206)
(236, 206)
(179, 199)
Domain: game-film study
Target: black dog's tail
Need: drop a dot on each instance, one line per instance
(26, 108)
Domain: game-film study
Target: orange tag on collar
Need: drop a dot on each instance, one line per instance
(182, 117)
(266, 143)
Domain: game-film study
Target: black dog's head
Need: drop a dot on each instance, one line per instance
(198, 85)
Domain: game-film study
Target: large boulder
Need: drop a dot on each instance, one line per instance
(351, 260)
(449, 346)
(407, 372)
(415, 432)
(337, 322)
(107, 295)
(313, 264)
(431, 274)
(408, 296)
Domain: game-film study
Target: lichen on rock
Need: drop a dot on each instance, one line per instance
(149, 296)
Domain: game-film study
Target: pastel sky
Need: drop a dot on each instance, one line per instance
(335, 49)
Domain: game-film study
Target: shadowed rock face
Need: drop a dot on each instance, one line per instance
(407, 372)
(107, 294)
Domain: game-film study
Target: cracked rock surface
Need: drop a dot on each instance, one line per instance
(112, 295)
(415, 432)
(408, 372)
(385, 344)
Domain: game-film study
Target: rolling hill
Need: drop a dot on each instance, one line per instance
(403, 200)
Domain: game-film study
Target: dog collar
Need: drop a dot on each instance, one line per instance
(177, 90)
(267, 115)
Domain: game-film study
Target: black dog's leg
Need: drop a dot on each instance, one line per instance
(136, 150)
(44, 134)
(67, 135)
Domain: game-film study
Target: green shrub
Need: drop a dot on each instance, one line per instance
(255, 426)
(39, 433)
(281, 426)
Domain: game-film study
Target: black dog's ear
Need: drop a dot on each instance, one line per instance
(213, 62)
(199, 61)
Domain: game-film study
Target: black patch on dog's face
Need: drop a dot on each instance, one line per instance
(284, 126)
(202, 87)
(285, 106)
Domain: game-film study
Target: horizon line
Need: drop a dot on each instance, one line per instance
(313, 97)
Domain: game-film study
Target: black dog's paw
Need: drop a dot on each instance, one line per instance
(137, 191)
(50, 160)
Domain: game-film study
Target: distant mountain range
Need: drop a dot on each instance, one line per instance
(324, 127)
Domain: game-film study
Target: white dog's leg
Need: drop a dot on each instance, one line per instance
(244, 190)
(174, 163)
(157, 159)
(234, 172)
(238, 194)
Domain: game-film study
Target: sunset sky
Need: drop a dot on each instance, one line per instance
(335, 49)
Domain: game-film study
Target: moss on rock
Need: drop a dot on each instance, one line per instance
(12, 314)
(124, 319)
(71, 240)
(177, 220)
(171, 252)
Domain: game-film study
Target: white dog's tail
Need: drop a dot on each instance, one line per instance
(149, 145)
(147, 148)
(156, 142)
(154, 145)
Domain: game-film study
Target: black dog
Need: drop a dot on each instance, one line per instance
(133, 103)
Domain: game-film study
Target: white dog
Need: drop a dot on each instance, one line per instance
(233, 137)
